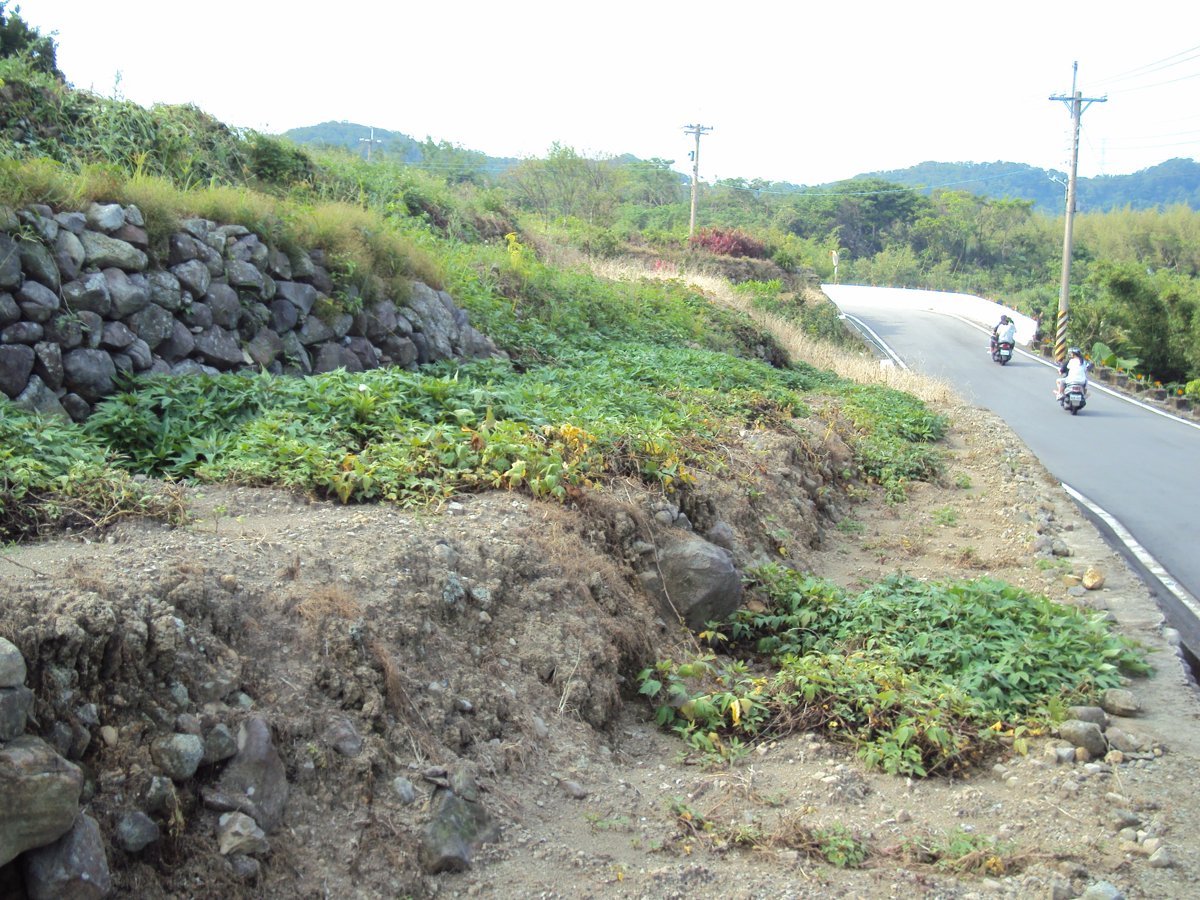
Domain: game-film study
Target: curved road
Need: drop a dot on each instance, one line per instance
(1139, 466)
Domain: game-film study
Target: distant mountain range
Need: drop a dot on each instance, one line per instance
(1176, 181)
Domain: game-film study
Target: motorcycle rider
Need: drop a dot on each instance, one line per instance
(1073, 371)
(1005, 332)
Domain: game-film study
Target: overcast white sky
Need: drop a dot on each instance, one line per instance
(794, 91)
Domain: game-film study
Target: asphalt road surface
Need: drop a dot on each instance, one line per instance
(1137, 465)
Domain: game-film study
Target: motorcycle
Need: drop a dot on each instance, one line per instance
(1074, 398)
(1002, 352)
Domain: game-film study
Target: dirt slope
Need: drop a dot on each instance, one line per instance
(503, 632)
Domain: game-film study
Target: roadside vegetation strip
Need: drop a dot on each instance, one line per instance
(924, 678)
(53, 476)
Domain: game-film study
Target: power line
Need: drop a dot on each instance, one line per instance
(1150, 68)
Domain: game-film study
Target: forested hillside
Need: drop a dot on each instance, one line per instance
(1176, 181)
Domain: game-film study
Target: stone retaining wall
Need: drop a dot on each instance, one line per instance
(82, 298)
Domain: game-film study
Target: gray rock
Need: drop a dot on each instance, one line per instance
(116, 336)
(28, 333)
(245, 868)
(16, 365)
(9, 311)
(136, 831)
(38, 303)
(152, 323)
(265, 347)
(284, 315)
(38, 398)
(219, 348)
(101, 252)
(15, 704)
(69, 254)
(48, 364)
(39, 795)
(129, 293)
(92, 325)
(404, 789)
(1084, 734)
(398, 351)
(193, 276)
(89, 373)
(1119, 739)
(197, 316)
(65, 330)
(164, 289)
(10, 264)
(257, 773)
(301, 296)
(244, 274)
(105, 217)
(88, 292)
(72, 221)
(39, 264)
(1102, 890)
(456, 829)
(77, 408)
(178, 755)
(1120, 702)
(12, 664)
(223, 301)
(237, 833)
(700, 582)
(178, 345)
(314, 330)
(331, 356)
(72, 868)
(431, 317)
(343, 737)
(219, 744)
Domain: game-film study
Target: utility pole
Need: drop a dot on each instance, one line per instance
(1077, 104)
(369, 141)
(697, 130)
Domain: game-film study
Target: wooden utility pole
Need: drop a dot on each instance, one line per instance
(697, 130)
(1077, 104)
(369, 141)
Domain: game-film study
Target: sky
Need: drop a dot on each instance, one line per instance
(806, 93)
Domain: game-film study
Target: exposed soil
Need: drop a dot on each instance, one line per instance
(505, 632)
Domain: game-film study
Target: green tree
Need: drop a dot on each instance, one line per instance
(565, 185)
(18, 37)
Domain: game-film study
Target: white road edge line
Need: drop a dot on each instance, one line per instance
(1143, 555)
(879, 342)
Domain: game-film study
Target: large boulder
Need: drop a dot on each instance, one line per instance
(700, 581)
(257, 774)
(102, 252)
(72, 868)
(16, 365)
(39, 795)
(89, 373)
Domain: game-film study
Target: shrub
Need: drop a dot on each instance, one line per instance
(729, 243)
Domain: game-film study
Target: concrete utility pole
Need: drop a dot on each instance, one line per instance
(697, 130)
(1077, 104)
(369, 141)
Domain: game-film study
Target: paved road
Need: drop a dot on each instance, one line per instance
(1141, 467)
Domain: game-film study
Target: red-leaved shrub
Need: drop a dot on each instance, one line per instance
(729, 243)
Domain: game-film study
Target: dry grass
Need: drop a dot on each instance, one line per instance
(858, 367)
(326, 602)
